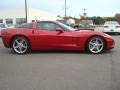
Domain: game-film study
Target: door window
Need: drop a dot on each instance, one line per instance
(47, 26)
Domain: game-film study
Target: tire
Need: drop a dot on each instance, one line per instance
(20, 45)
(96, 45)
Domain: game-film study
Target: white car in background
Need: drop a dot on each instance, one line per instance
(111, 27)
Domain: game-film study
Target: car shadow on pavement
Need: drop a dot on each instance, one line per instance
(67, 52)
(10, 52)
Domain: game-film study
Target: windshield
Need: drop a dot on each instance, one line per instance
(65, 26)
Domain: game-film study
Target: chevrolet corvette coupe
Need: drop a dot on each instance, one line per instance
(53, 35)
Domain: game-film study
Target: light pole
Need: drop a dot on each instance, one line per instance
(26, 14)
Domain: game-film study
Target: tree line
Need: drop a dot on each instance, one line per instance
(101, 20)
(97, 20)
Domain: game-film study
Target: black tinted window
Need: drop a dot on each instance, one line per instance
(28, 25)
(47, 26)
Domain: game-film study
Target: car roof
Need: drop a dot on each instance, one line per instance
(46, 21)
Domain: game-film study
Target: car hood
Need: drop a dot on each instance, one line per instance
(84, 31)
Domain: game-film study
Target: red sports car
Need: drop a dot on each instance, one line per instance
(53, 35)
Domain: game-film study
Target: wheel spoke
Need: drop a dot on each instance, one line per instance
(100, 45)
(20, 49)
(97, 41)
(16, 46)
(92, 49)
(23, 46)
(22, 41)
(17, 42)
(97, 48)
(91, 43)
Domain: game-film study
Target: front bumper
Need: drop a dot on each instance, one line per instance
(110, 43)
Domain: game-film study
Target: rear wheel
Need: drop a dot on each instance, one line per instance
(96, 45)
(20, 45)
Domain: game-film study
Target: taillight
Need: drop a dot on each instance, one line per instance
(105, 26)
(117, 26)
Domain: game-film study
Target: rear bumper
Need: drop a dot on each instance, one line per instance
(6, 41)
(111, 30)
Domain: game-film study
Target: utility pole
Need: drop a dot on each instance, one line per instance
(65, 9)
(26, 14)
(84, 13)
(85, 16)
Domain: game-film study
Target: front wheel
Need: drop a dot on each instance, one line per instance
(96, 45)
(20, 45)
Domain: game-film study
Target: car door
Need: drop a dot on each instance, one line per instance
(46, 36)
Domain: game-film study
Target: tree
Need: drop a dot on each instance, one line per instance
(109, 18)
(117, 16)
(96, 20)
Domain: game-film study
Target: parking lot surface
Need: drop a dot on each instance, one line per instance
(60, 70)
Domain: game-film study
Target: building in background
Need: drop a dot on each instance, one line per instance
(17, 16)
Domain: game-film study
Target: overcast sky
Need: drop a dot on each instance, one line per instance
(75, 7)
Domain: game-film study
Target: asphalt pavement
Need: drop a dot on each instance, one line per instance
(60, 70)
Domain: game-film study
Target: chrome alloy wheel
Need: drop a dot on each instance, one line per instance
(20, 45)
(96, 45)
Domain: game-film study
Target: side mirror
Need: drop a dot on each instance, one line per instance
(59, 30)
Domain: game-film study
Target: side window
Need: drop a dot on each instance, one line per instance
(28, 25)
(47, 26)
